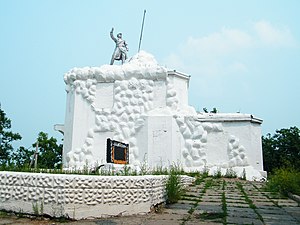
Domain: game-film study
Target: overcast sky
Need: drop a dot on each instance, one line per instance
(243, 56)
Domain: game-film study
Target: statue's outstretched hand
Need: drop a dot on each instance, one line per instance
(112, 30)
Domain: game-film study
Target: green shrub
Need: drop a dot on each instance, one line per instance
(174, 188)
(284, 180)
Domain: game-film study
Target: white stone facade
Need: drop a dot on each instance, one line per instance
(145, 105)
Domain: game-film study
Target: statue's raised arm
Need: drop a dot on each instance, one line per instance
(120, 52)
(112, 35)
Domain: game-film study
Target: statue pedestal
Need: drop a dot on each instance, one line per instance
(146, 106)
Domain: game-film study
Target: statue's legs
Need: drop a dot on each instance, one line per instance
(112, 60)
(123, 58)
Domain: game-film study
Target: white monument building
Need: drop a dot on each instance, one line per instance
(146, 106)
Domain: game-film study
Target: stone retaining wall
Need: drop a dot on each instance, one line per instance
(80, 196)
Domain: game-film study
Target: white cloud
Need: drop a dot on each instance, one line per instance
(219, 62)
(274, 36)
(208, 55)
(221, 53)
(219, 43)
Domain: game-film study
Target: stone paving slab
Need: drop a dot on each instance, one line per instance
(293, 211)
(213, 217)
(242, 212)
(234, 196)
(175, 211)
(237, 220)
(167, 216)
(284, 218)
(179, 206)
(183, 202)
(209, 199)
(276, 211)
(201, 222)
(237, 205)
(209, 203)
(238, 209)
(204, 206)
(259, 204)
(249, 215)
(259, 197)
(272, 222)
(230, 200)
(287, 202)
(208, 208)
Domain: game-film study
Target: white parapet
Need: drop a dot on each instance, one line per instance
(80, 196)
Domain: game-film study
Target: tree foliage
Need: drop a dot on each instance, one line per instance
(282, 149)
(49, 152)
(21, 158)
(6, 139)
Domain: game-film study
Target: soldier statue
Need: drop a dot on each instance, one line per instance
(120, 52)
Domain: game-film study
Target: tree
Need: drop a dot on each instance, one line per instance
(6, 139)
(282, 149)
(22, 158)
(49, 152)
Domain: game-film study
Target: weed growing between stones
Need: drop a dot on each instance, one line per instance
(249, 201)
(223, 185)
(160, 170)
(174, 188)
(224, 207)
(230, 173)
(205, 172)
(224, 204)
(217, 174)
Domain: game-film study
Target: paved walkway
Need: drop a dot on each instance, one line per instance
(210, 201)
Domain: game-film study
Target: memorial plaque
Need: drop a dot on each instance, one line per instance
(117, 152)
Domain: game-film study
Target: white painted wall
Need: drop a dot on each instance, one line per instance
(146, 106)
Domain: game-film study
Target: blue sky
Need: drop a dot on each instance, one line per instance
(242, 55)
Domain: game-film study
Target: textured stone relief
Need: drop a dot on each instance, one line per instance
(172, 99)
(193, 132)
(132, 99)
(236, 153)
(81, 190)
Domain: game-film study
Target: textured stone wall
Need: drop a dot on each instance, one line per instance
(80, 196)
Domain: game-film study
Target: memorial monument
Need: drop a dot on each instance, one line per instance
(145, 105)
